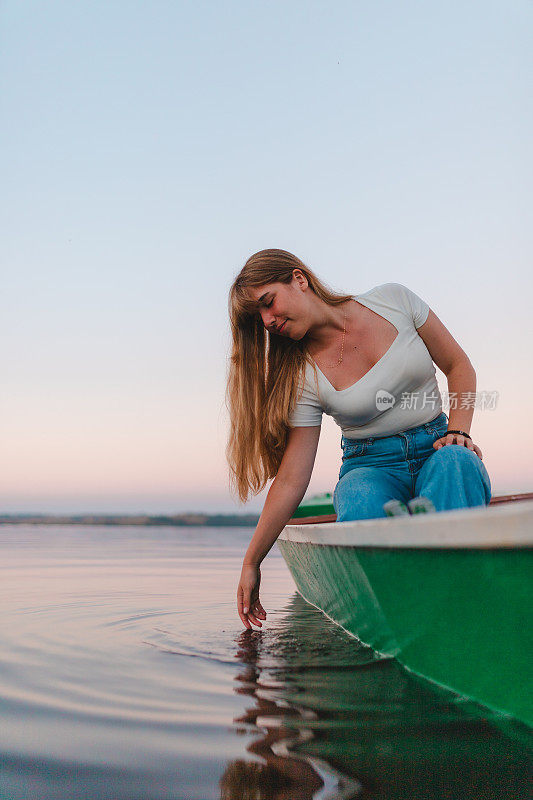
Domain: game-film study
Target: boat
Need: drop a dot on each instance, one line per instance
(448, 594)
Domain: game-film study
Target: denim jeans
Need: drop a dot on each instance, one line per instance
(406, 465)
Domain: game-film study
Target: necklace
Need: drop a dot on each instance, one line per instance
(342, 344)
(339, 362)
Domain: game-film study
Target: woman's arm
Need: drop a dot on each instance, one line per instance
(286, 491)
(283, 498)
(461, 384)
(449, 357)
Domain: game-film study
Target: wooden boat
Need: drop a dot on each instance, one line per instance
(448, 594)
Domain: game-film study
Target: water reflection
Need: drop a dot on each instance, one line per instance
(282, 774)
(328, 719)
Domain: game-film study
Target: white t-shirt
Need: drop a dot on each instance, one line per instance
(399, 392)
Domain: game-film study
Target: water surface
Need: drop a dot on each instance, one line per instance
(125, 673)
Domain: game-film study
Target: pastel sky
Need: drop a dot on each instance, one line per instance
(148, 148)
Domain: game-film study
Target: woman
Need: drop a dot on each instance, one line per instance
(300, 350)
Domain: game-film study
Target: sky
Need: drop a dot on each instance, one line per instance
(149, 148)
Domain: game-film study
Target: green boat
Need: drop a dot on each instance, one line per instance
(448, 594)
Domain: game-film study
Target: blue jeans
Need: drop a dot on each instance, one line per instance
(406, 465)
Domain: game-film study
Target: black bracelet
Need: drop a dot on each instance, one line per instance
(461, 432)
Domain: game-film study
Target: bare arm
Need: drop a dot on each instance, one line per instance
(449, 356)
(286, 491)
(283, 498)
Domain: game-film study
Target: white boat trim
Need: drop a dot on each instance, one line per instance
(505, 525)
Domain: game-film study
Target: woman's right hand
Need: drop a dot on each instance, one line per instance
(248, 603)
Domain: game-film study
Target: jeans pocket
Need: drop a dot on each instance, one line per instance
(438, 433)
(439, 426)
(351, 449)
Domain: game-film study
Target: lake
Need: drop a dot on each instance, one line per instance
(126, 674)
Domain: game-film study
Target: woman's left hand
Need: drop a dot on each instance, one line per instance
(457, 438)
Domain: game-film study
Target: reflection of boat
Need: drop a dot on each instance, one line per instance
(448, 594)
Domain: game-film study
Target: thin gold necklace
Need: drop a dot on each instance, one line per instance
(343, 338)
(342, 343)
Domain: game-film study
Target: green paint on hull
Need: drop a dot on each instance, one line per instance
(459, 617)
(315, 506)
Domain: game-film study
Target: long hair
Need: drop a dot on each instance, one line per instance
(265, 373)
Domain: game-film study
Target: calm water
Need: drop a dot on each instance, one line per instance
(125, 673)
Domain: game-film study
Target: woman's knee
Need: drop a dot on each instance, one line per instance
(360, 495)
(460, 462)
(453, 455)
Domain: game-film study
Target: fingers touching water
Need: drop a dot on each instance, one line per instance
(248, 604)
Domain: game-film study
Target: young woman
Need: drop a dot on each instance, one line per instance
(300, 350)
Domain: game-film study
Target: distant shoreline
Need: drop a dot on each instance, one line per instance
(174, 520)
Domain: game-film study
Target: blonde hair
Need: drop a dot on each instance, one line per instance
(265, 372)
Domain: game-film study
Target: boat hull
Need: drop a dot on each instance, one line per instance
(446, 594)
